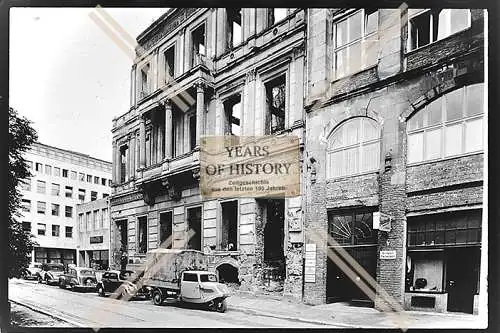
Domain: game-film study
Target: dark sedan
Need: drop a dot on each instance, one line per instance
(121, 284)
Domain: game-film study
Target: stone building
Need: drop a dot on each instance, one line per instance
(395, 138)
(210, 71)
(93, 234)
(61, 180)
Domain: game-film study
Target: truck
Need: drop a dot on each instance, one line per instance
(182, 275)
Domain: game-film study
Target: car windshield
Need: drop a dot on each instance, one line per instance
(208, 278)
(87, 272)
(55, 268)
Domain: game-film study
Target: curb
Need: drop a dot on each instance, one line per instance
(309, 321)
(32, 308)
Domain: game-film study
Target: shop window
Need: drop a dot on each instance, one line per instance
(353, 148)
(57, 171)
(229, 226)
(25, 184)
(275, 101)
(27, 226)
(68, 191)
(73, 175)
(429, 25)
(192, 132)
(276, 15)
(93, 195)
(65, 173)
(69, 232)
(40, 207)
(26, 205)
(232, 107)
(81, 177)
(41, 227)
(234, 32)
(55, 190)
(166, 230)
(142, 234)
(354, 227)
(68, 211)
(48, 169)
(55, 210)
(356, 42)
(55, 230)
(81, 195)
(40, 187)
(169, 56)
(424, 271)
(198, 45)
(450, 125)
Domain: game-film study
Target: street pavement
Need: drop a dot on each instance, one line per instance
(90, 310)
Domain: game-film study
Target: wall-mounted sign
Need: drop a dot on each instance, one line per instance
(309, 278)
(96, 239)
(310, 263)
(388, 254)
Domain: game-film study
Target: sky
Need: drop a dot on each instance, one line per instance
(69, 77)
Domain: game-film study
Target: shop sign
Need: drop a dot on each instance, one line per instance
(96, 239)
(309, 278)
(310, 263)
(388, 254)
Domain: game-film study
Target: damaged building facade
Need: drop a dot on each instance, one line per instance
(217, 71)
(395, 139)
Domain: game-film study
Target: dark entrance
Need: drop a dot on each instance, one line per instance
(166, 230)
(462, 277)
(353, 232)
(194, 223)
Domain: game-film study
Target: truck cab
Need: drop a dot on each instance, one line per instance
(203, 287)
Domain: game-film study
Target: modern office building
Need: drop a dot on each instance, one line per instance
(92, 232)
(61, 179)
(395, 139)
(210, 71)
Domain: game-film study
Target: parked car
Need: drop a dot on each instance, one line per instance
(122, 283)
(31, 273)
(78, 278)
(50, 273)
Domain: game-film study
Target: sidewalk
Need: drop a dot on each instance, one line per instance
(344, 315)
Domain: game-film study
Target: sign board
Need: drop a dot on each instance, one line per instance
(310, 262)
(249, 166)
(310, 270)
(309, 278)
(310, 247)
(376, 220)
(387, 254)
(96, 239)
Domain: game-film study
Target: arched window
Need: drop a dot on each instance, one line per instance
(353, 148)
(449, 126)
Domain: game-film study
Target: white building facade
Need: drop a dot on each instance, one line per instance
(61, 179)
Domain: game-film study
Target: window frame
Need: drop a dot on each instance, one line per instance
(66, 211)
(56, 230)
(55, 208)
(38, 205)
(70, 229)
(268, 84)
(193, 54)
(38, 229)
(231, 45)
(228, 105)
(41, 186)
(138, 240)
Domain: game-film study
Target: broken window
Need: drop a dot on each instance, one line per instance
(429, 25)
(234, 37)
(233, 115)
(229, 226)
(192, 131)
(144, 81)
(198, 38)
(356, 42)
(275, 100)
(123, 163)
(165, 230)
(194, 226)
(142, 235)
(169, 63)
(68, 191)
(276, 15)
(274, 230)
(122, 234)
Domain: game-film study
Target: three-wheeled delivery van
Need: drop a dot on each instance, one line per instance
(182, 275)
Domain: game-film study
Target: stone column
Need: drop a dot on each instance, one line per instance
(142, 134)
(115, 163)
(159, 144)
(131, 159)
(168, 129)
(200, 111)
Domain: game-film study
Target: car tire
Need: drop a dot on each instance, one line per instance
(39, 279)
(157, 297)
(47, 280)
(62, 285)
(221, 306)
(100, 291)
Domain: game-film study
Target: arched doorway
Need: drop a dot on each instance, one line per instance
(228, 274)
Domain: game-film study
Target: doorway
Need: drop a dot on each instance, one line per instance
(194, 223)
(462, 277)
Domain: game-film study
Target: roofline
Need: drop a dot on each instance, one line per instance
(71, 152)
(155, 24)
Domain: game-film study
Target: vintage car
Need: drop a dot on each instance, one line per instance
(78, 278)
(121, 284)
(31, 273)
(50, 273)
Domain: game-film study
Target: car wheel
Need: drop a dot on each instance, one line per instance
(100, 291)
(157, 297)
(39, 279)
(222, 306)
(62, 284)
(47, 280)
